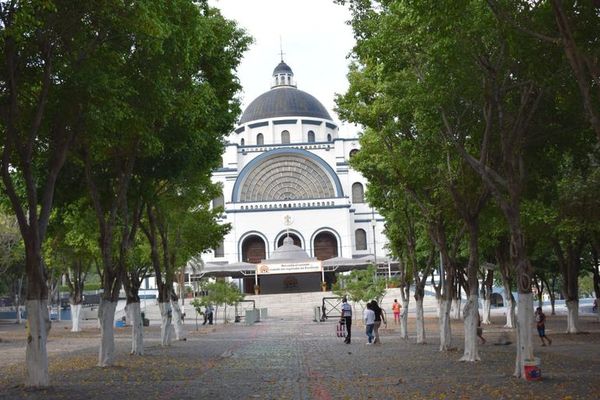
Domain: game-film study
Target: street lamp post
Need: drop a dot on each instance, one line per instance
(374, 224)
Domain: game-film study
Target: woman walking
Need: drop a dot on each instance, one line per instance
(379, 318)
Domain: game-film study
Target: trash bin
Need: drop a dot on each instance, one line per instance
(317, 314)
(532, 369)
(263, 313)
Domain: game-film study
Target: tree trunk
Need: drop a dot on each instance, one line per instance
(509, 307)
(18, 299)
(420, 322)
(455, 309)
(487, 299)
(38, 327)
(471, 312)
(487, 307)
(524, 332)
(178, 321)
(134, 317)
(572, 316)
(106, 318)
(165, 322)
(445, 330)
(76, 317)
(404, 319)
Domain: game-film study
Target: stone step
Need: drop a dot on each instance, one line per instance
(286, 306)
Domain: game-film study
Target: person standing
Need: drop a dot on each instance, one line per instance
(396, 310)
(347, 317)
(379, 318)
(540, 320)
(369, 317)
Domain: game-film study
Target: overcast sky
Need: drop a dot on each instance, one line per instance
(315, 40)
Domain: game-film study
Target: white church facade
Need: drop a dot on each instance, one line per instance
(285, 172)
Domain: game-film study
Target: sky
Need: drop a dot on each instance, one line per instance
(314, 37)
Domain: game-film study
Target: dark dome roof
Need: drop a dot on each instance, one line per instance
(284, 102)
(282, 68)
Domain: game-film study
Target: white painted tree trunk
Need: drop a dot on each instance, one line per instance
(439, 306)
(511, 321)
(524, 332)
(470, 312)
(19, 319)
(178, 321)
(165, 323)
(76, 317)
(36, 355)
(420, 323)
(129, 311)
(455, 310)
(134, 317)
(445, 331)
(487, 306)
(106, 318)
(572, 316)
(404, 320)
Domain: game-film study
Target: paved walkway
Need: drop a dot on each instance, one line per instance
(286, 359)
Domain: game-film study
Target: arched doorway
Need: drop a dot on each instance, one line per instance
(253, 249)
(294, 237)
(325, 245)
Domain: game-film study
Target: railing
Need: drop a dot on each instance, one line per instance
(331, 307)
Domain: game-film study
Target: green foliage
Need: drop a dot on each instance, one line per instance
(361, 285)
(586, 285)
(219, 292)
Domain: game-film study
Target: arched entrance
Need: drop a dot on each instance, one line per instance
(325, 245)
(253, 249)
(294, 237)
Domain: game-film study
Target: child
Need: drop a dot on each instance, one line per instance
(396, 309)
(540, 320)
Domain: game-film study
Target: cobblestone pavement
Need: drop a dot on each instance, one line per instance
(286, 359)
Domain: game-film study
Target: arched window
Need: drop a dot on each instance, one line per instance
(220, 251)
(325, 246)
(329, 137)
(360, 239)
(260, 139)
(243, 142)
(358, 193)
(311, 137)
(285, 137)
(353, 152)
(253, 249)
(218, 202)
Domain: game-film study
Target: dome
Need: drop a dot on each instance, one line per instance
(284, 102)
(289, 251)
(282, 68)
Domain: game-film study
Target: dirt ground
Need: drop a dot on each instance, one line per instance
(290, 359)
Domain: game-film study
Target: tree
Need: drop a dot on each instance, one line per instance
(361, 286)
(133, 126)
(52, 53)
(71, 252)
(12, 258)
(571, 27)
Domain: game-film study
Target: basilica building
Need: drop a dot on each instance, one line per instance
(297, 209)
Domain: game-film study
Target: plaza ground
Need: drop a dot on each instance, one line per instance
(286, 358)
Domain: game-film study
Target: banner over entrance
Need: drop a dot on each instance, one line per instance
(289, 268)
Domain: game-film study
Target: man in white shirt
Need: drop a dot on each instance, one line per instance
(369, 317)
(347, 318)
